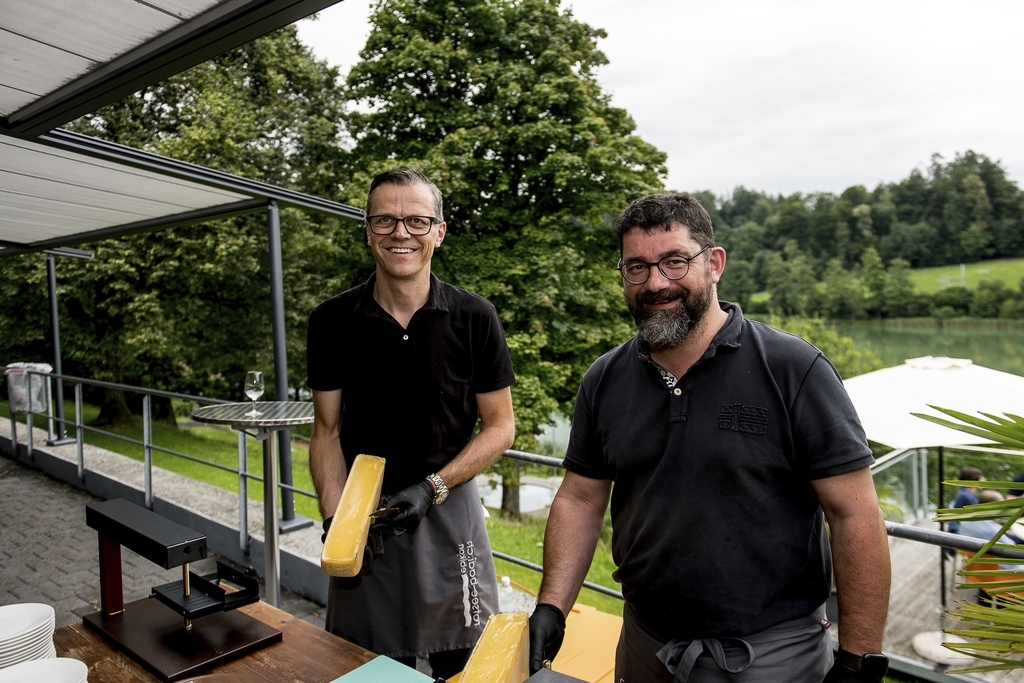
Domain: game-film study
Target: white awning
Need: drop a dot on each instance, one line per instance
(61, 59)
(63, 188)
(886, 398)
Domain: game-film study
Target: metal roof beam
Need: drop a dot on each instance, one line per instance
(186, 218)
(128, 156)
(219, 29)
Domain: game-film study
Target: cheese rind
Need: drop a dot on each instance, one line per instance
(502, 655)
(343, 548)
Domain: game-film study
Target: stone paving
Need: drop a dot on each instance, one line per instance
(49, 555)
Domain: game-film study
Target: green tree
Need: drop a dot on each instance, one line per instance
(874, 278)
(498, 102)
(842, 292)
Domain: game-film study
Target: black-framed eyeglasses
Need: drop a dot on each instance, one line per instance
(415, 225)
(673, 267)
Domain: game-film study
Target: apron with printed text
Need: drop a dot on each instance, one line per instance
(432, 589)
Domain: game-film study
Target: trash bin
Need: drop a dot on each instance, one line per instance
(28, 392)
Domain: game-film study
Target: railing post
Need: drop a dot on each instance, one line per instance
(14, 429)
(147, 448)
(28, 421)
(79, 432)
(243, 493)
(922, 453)
(49, 409)
(915, 485)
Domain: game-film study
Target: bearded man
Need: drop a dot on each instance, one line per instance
(730, 445)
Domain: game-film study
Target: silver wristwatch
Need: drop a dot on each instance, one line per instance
(440, 488)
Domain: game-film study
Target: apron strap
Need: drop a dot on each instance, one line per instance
(679, 656)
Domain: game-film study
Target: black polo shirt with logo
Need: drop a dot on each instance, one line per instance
(409, 395)
(717, 530)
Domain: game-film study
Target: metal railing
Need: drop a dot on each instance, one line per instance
(241, 472)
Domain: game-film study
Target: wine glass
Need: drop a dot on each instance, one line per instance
(253, 389)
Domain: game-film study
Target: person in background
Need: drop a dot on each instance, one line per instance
(401, 367)
(711, 426)
(965, 495)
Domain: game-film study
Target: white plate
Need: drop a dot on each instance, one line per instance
(45, 650)
(59, 670)
(22, 640)
(24, 619)
(41, 641)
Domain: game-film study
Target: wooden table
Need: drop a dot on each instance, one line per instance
(305, 654)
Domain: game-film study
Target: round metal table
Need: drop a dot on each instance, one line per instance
(276, 415)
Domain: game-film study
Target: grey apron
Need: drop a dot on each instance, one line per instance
(432, 589)
(796, 651)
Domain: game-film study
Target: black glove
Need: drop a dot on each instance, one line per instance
(413, 504)
(547, 628)
(843, 674)
(326, 525)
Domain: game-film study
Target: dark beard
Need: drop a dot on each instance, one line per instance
(669, 328)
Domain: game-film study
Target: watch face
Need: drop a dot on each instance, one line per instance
(441, 497)
(874, 666)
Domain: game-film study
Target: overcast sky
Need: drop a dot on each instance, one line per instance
(793, 95)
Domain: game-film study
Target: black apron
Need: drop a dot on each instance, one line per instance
(431, 591)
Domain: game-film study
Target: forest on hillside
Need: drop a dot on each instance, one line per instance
(848, 255)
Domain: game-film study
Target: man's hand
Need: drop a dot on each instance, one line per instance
(547, 628)
(413, 504)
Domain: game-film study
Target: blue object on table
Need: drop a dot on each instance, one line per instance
(383, 670)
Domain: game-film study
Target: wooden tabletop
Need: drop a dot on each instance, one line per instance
(306, 653)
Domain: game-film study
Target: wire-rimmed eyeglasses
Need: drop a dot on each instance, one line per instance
(414, 225)
(673, 267)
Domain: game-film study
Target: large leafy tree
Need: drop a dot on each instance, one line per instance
(497, 101)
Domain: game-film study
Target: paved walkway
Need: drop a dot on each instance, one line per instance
(49, 555)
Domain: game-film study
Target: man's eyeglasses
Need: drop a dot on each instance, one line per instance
(414, 225)
(673, 267)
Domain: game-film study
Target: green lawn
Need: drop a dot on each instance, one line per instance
(929, 280)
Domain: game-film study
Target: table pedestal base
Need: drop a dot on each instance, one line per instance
(155, 637)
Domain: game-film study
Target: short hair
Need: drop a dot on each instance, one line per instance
(661, 211)
(405, 177)
(970, 474)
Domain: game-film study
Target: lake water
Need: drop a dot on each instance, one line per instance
(532, 497)
(990, 346)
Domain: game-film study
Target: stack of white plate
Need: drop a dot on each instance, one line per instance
(26, 633)
(59, 670)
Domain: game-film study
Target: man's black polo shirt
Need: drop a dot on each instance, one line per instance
(716, 528)
(409, 395)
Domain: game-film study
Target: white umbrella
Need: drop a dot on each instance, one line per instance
(886, 398)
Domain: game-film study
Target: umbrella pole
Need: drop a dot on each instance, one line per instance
(942, 551)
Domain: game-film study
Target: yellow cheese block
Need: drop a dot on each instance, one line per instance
(502, 655)
(346, 539)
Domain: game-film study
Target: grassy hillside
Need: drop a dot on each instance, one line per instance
(929, 280)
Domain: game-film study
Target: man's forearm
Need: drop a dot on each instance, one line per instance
(860, 552)
(573, 529)
(328, 470)
(481, 451)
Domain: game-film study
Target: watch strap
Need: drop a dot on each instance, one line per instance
(440, 488)
(870, 664)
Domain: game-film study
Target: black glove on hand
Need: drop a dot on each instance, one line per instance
(413, 503)
(547, 628)
(326, 525)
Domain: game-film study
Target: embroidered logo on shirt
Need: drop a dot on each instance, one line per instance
(746, 419)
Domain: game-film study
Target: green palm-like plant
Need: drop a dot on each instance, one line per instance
(996, 631)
